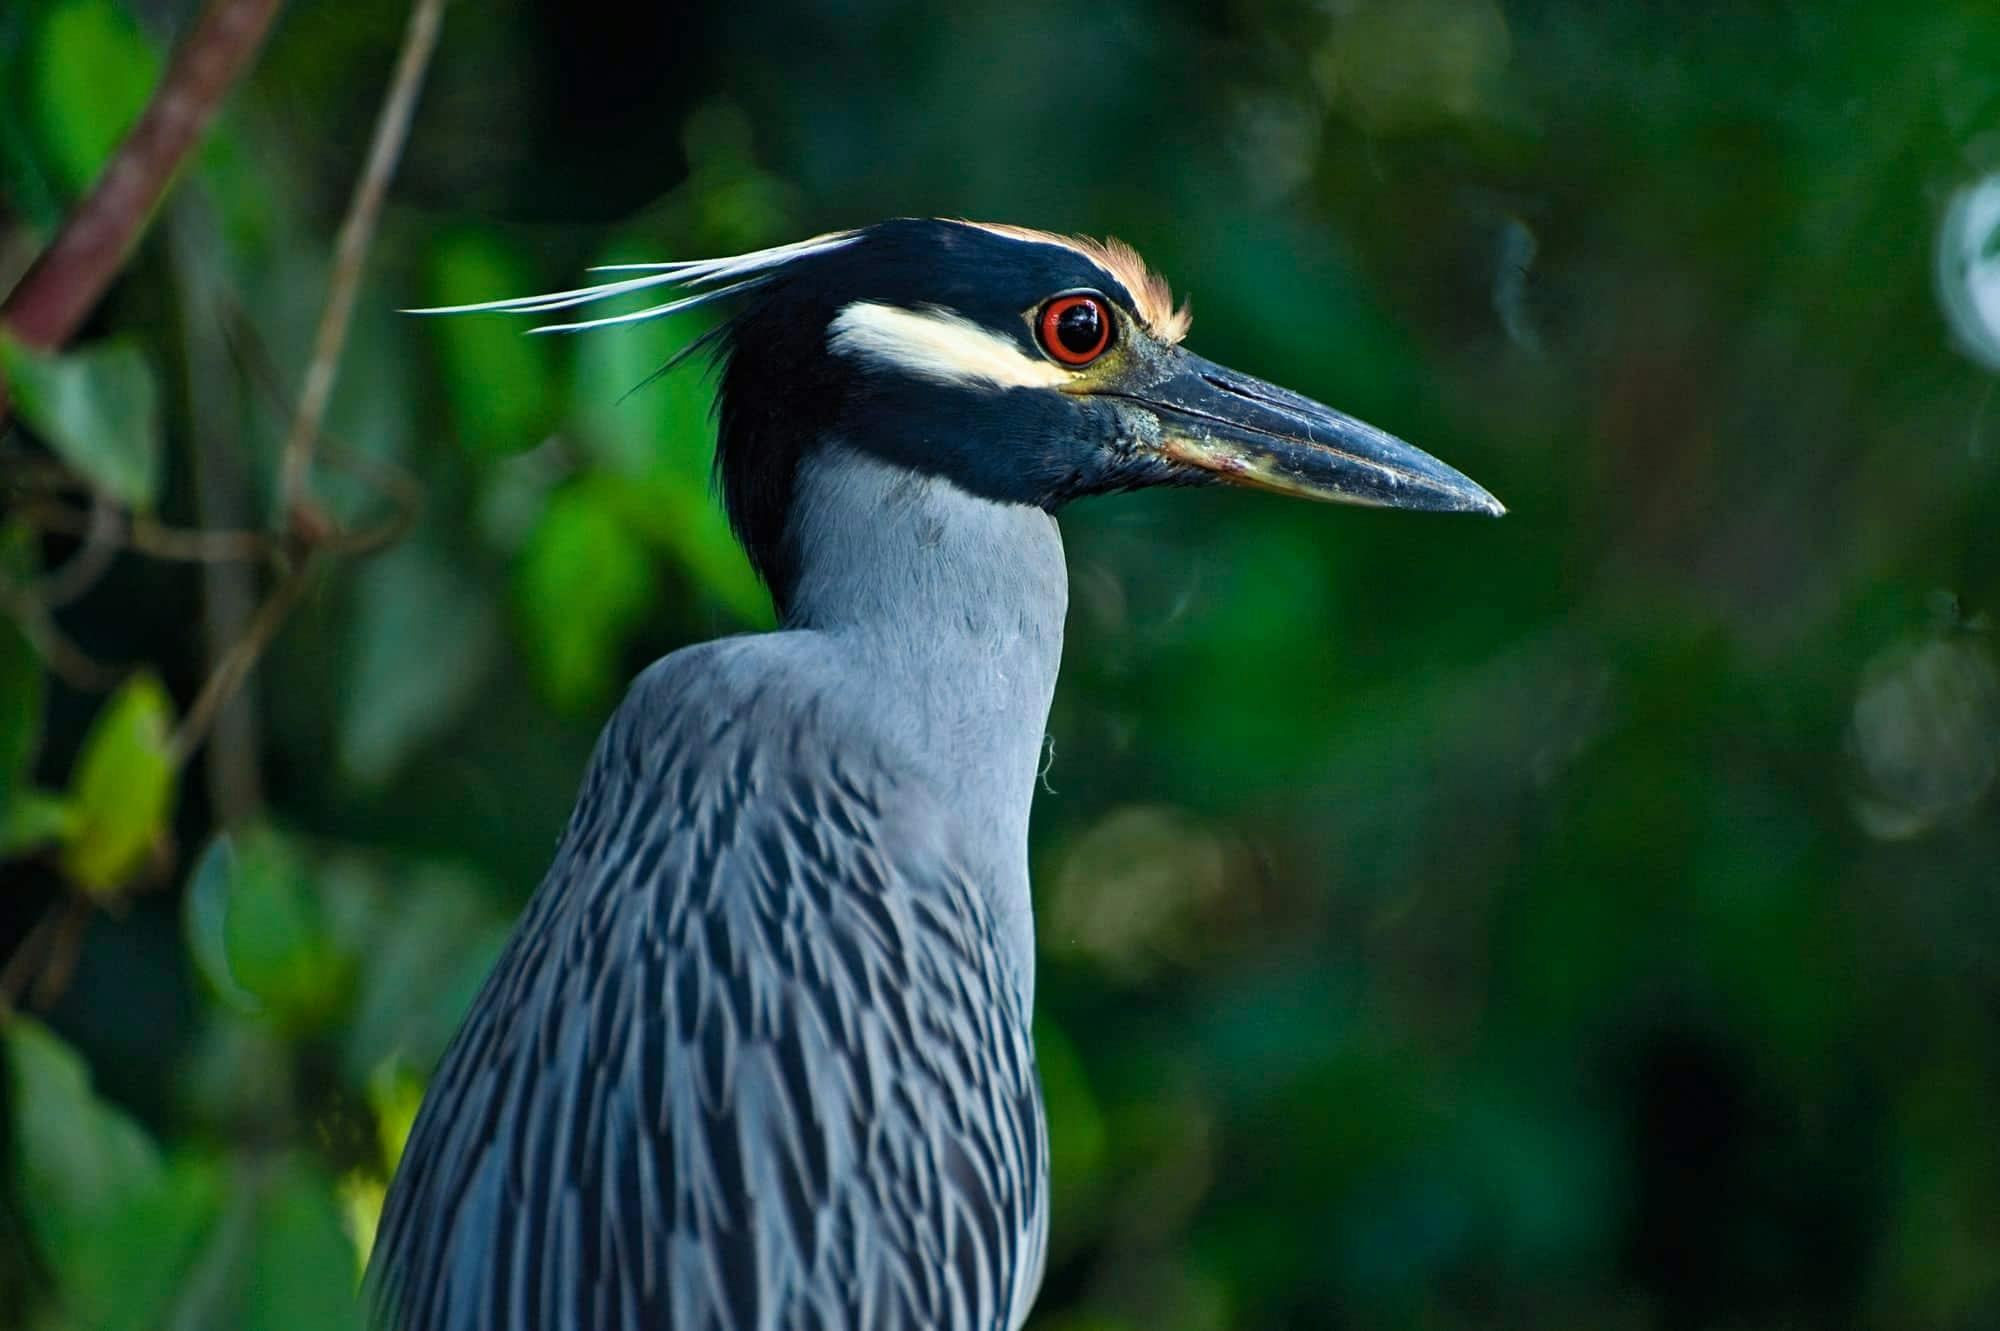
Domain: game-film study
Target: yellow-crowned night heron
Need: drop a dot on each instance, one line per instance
(757, 1057)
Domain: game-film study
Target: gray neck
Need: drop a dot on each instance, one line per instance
(953, 607)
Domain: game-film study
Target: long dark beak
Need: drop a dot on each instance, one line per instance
(1248, 432)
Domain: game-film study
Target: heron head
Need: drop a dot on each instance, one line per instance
(1021, 365)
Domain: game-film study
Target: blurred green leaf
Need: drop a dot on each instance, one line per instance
(394, 1094)
(133, 1271)
(424, 638)
(33, 818)
(98, 408)
(501, 383)
(93, 74)
(76, 1159)
(205, 921)
(302, 1262)
(582, 584)
(361, 1193)
(274, 932)
(681, 517)
(26, 173)
(123, 789)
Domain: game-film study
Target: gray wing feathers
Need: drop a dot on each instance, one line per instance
(741, 1067)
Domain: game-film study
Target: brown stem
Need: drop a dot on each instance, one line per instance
(65, 946)
(27, 957)
(392, 127)
(68, 277)
(236, 663)
(149, 537)
(81, 571)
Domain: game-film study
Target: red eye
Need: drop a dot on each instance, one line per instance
(1075, 329)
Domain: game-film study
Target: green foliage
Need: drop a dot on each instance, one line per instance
(261, 930)
(98, 408)
(78, 1161)
(424, 639)
(205, 919)
(132, 1242)
(296, 1258)
(583, 584)
(140, 1266)
(93, 72)
(123, 791)
(425, 945)
(35, 818)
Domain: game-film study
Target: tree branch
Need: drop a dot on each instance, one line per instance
(68, 277)
(235, 664)
(392, 128)
(146, 536)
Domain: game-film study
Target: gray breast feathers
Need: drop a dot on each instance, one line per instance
(749, 1063)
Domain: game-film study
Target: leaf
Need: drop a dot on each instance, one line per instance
(683, 519)
(93, 72)
(395, 1095)
(362, 1193)
(205, 922)
(583, 582)
(133, 1271)
(123, 789)
(98, 408)
(424, 637)
(34, 818)
(274, 933)
(500, 382)
(76, 1159)
(302, 1263)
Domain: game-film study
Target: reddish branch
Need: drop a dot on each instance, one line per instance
(68, 277)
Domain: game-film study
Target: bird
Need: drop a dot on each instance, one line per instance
(757, 1055)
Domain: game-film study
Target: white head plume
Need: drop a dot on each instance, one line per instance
(704, 279)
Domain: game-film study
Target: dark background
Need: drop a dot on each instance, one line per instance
(1589, 919)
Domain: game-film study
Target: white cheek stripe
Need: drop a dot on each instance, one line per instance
(936, 344)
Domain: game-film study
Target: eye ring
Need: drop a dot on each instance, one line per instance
(1075, 329)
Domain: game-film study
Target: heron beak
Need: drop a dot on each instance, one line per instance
(1247, 432)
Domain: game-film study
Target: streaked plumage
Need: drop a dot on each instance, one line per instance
(753, 1059)
(758, 1055)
